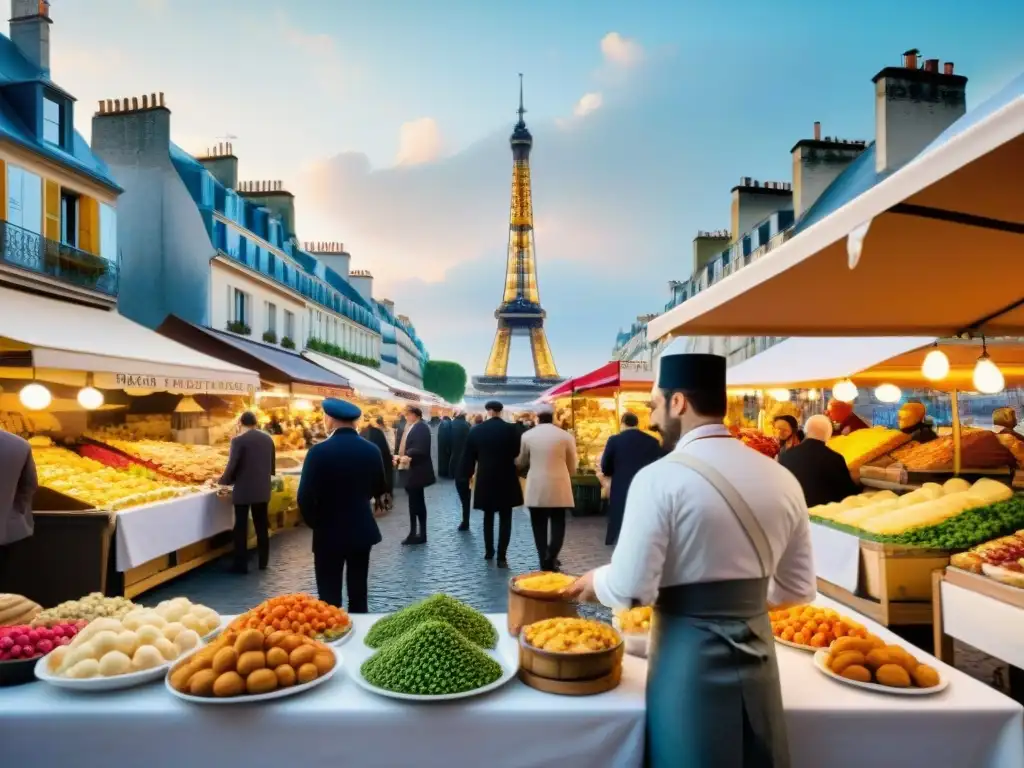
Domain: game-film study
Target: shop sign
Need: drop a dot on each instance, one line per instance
(635, 370)
(312, 390)
(178, 384)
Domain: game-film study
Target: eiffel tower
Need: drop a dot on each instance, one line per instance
(520, 312)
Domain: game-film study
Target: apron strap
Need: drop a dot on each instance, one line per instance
(740, 509)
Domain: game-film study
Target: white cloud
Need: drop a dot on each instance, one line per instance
(589, 102)
(621, 51)
(324, 58)
(419, 141)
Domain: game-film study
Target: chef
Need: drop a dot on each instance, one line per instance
(714, 535)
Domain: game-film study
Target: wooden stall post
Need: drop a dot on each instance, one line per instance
(954, 397)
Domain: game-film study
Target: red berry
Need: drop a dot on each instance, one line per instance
(58, 631)
(22, 639)
(44, 646)
(6, 643)
(33, 636)
(15, 651)
(65, 641)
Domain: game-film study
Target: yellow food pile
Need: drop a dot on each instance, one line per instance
(97, 484)
(813, 626)
(865, 445)
(545, 582)
(250, 663)
(564, 635)
(635, 619)
(883, 512)
(192, 463)
(870, 660)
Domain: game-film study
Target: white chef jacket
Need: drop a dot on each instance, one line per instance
(677, 529)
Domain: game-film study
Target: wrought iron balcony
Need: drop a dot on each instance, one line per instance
(33, 252)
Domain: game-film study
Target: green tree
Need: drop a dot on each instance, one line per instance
(445, 378)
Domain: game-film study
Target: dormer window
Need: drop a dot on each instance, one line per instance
(53, 121)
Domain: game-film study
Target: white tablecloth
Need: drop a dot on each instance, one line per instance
(145, 533)
(990, 625)
(836, 556)
(966, 726)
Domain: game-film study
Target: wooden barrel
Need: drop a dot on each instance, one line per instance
(570, 674)
(525, 606)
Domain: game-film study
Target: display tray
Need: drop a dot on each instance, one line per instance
(822, 656)
(94, 684)
(280, 693)
(509, 666)
(17, 672)
(791, 644)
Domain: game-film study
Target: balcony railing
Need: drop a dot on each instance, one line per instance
(33, 252)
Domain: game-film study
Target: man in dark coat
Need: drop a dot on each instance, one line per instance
(252, 464)
(624, 455)
(374, 432)
(444, 447)
(491, 452)
(822, 472)
(399, 432)
(418, 468)
(459, 432)
(339, 478)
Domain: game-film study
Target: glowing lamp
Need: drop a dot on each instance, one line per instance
(813, 394)
(888, 393)
(780, 395)
(845, 391)
(303, 406)
(90, 398)
(935, 366)
(35, 397)
(988, 379)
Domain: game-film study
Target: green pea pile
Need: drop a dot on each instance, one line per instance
(473, 625)
(432, 659)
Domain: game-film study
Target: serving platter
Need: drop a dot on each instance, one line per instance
(94, 684)
(509, 667)
(820, 662)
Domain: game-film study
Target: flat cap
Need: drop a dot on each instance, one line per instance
(342, 410)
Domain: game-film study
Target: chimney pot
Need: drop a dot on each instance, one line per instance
(161, 98)
(931, 65)
(947, 68)
(910, 59)
(145, 101)
(817, 130)
(135, 103)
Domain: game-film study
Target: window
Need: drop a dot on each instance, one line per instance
(69, 217)
(289, 324)
(240, 307)
(108, 232)
(271, 317)
(53, 132)
(24, 199)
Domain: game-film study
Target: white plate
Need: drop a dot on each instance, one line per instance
(822, 656)
(637, 643)
(280, 693)
(509, 670)
(93, 684)
(337, 643)
(791, 644)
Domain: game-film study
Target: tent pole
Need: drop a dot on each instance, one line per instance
(955, 410)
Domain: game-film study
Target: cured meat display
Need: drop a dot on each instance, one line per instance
(979, 449)
(769, 446)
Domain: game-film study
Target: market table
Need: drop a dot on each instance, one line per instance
(968, 724)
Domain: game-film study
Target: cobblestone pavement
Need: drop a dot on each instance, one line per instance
(451, 562)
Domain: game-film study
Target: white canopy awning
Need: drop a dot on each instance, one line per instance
(64, 337)
(420, 395)
(364, 385)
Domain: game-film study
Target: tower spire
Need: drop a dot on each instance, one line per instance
(522, 109)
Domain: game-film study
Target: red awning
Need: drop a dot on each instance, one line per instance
(605, 376)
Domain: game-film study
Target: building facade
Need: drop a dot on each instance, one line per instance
(58, 203)
(220, 252)
(914, 103)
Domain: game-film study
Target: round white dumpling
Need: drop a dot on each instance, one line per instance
(115, 663)
(186, 640)
(83, 652)
(127, 642)
(84, 669)
(147, 657)
(166, 648)
(147, 634)
(96, 626)
(56, 657)
(207, 626)
(172, 630)
(174, 612)
(134, 619)
(103, 642)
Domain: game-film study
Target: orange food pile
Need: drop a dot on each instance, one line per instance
(813, 626)
(870, 660)
(299, 613)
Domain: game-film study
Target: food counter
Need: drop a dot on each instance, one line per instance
(968, 724)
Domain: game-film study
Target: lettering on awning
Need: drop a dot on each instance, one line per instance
(183, 385)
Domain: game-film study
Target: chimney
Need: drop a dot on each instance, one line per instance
(222, 163)
(272, 195)
(30, 31)
(912, 107)
(362, 281)
(332, 254)
(817, 163)
(389, 305)
(133, 131)
(753, 202)
(706, 246)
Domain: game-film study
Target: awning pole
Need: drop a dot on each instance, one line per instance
(955, 410)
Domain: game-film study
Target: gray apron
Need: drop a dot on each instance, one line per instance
(713, 695)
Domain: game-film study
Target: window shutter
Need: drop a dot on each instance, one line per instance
(51, 211)
(89, 225)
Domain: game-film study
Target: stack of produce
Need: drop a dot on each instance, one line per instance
(813, 626)
(252, 663)
(761, 443)
(27, 424)
(473, 625)
(116, 460)
(16, 609)
(870, 660)
(93, 483)
(979, 449)
(22, 642)
(866, 445)
(298, 613)
(568, 635)
(92, 606)
(136, 427)
(1001, 559)
(592, 425)
(194, 616)
(187, 463)
(635, 620)
(112, 647)
(545, 582)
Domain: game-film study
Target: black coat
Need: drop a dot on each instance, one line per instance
(459, 432)
(252, 462)
(624, 455)
(822, 472)
(421, 467)
(444, 447)
(339, 478)
(376, 436)
(490, 454)
(399, 431)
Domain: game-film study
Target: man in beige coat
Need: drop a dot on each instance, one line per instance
(550, 455)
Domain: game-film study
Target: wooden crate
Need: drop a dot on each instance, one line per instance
(897, 573)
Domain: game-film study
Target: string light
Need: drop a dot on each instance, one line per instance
(780, 395)
(90, 398)
(888, 393)
(936, 365)
(988, 379)
(845, 391)
(35, 397)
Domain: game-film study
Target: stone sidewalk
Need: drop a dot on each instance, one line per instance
(450, 561)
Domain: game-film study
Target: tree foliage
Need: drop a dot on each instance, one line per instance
(445, 378)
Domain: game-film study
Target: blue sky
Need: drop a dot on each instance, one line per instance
(390, 122)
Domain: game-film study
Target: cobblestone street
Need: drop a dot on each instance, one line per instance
(451, 562)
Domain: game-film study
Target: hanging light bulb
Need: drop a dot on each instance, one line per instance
(888, 393)
(845, 391)
(90, 398)
(936, 365)
(988, 379)
(35, 397)
(780, 395)
(813, 394)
